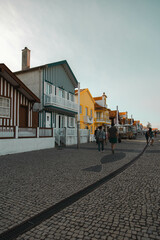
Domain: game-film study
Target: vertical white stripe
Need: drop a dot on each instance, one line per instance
(1, 86)
(31, 119)
(29, 114)
(4, 122)
(7, 122)
(9, 90)
(5, 87)
(24, 100)
(0, 121)
(14, 107)
(18, 110)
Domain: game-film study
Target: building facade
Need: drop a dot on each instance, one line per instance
(101, 117)
(86, 110)
(55, 85)
(16, 100)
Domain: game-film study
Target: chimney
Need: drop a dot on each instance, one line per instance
(25, 58)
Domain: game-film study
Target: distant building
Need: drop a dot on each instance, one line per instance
(101, 112)
(86, 109)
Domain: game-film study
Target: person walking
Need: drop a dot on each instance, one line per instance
(112, 135)
(95, 135)
(151, 136)
(105, 136)
(147, 136)
(100, 135)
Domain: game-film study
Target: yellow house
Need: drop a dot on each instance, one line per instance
(86, 110)
(101, 112)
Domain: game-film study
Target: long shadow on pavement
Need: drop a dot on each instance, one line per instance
(106, 159)
(113, 157)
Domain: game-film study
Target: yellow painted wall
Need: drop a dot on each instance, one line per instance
(86, 102)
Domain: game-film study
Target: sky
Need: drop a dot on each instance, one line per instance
(112, 46)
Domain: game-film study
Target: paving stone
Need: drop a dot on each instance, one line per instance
(128, 204)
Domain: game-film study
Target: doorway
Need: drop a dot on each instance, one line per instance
(48, 120)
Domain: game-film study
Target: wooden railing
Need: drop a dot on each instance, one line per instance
(29, 132)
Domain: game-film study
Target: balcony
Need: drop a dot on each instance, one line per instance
(103, 120)
(56, 101)
(100, 120)
(88, 119)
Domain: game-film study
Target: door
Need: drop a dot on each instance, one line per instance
(61, 121)
(48, 120)
(23, 116)
(35, 119)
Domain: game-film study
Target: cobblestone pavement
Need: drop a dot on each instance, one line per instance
(127, 207)
(31, 182)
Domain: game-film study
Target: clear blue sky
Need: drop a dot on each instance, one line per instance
(112, 46)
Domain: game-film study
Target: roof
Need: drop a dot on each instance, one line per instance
(65, 65)
(83, 91)
(98, 107)
(122, 113)
(6, 73)
(97, 98)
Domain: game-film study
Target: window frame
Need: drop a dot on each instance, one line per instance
(9, 107)
(86, 111)
(80, 109)
(48, 88)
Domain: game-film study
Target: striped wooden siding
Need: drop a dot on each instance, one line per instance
(17, 99)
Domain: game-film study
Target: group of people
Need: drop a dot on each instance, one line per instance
(112, 135)
(150, 136)
(101, 137)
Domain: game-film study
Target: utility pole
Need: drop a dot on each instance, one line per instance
(117, 123)
(117, 117)
(78, 118)
(131, 120)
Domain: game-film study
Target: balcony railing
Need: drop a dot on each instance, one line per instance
(100, 120)
(88, 119)
(103, 120)
(7, 132)
(50, 100)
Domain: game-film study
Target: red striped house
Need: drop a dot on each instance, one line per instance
(16, 100)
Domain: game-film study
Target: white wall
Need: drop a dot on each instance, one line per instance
(10, 146)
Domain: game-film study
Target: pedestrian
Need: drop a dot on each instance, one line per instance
(112, 135)
(105, 136)
(147, 136)
(151, 136)
(95, 135)
(100, 139)
(155, 133)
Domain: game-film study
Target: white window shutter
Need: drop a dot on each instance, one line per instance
(57, 91)
(45, 87)
(53, 90)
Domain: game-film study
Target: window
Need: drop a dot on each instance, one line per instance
(61, 93)
(91, 129)
(5, 107)
(80, 109)
(71, 122)
(98, 115)
(91, 112)
(71, 97)
(86, 111)
(48, 89)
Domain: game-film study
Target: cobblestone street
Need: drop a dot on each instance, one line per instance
(126, 207)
